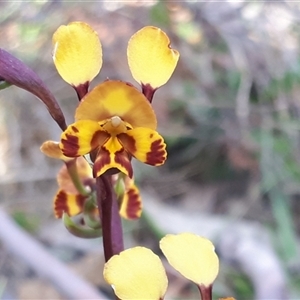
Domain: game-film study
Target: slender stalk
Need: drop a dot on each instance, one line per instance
(72, 170)
(148, 91)
(82, 90)
(110, 217)
(206, 292)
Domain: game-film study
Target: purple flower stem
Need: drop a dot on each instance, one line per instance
(15, 72)
(110, 217)
(148, 91)
(82, 90)
(206, 292)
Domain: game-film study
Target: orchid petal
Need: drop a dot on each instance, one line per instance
(193, 256)
(136, 274)
(144, 144)
(151, 59)
(117, 98)
(81, 138)
(77, 53)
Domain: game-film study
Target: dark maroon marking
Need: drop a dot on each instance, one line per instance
(80, 200)
(70, 145)
(99, 138)
(82, 90)
(129, 84)
(60, 204)
(75, 129)
(133, 205)
(148, 91)
(122, 158)
(157, 153)
(102, 159)
(128, 142)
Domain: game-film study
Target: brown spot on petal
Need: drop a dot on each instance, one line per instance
(122, 158)
(70, 145)
(157, 154)
(62, 203)
(127, 140)
(99, 138)
(75, 129)
(134, 205)
(102, 159)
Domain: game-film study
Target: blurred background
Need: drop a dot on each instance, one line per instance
(229, 114)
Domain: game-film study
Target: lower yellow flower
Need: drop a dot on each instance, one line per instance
(70, 200)
(114, 122)
(136, 274)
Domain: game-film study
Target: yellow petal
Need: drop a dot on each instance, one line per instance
(136, 274)
(51, 149)
(150, 58)
(131, 205)
(82, 137)
(193, 256)
(68, 203)
(117, 98)
(85, 174)
(144, 144)
(77, 53)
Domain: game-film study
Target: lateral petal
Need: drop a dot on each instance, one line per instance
(72, 204)
(116, 98)
(84, 171)
(77, 53)
(81, 138)
(144, 144)
(51, 149)
(151, 59)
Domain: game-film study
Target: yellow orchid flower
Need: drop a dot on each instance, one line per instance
(68, 199)
(136, 274)
(115, 122)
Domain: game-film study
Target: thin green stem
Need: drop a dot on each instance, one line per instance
(72, 170)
